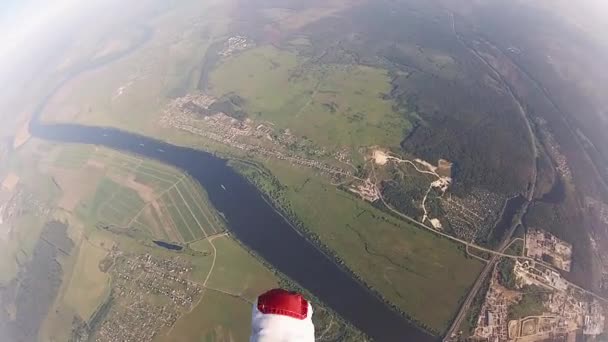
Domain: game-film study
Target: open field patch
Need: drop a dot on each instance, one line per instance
(18, 247)
(225, 319)
(235, 281)
(113, 203)
(89, 285)
(333, 105)
(237, 272)
(408, 265)
(127, 191)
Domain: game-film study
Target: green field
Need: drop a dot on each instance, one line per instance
(333, 105)
(235, 280)
(72, 156)
(530, 304)
(423, 274)
(21, 231)
(190, 211)
(237, 272)
(181, 204)
(113, 203)
(18, 248)
(218, 317)
(88, 286)
(224, 314)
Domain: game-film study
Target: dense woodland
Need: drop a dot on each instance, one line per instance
(458, 108)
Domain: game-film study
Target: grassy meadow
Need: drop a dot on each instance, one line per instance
(117, 188)
(235, 280)
(88, 287)
(423, 274)
(20, 231)
(126, 191)
(334, 105)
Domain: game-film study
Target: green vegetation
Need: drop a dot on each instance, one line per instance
(113, 203)
(557, 218)
(407, 265)
(531, 303)
(88, 286)
(182, 219)
(72, 156)
(515, 248)
(506, 277)
(194, 196)
(217, 317)
(328, 325)
(235, 277)
(189, 211)
(22, 230)
(19, 246)
(185, 205)
(126, 191)
(224, 312)
(236, 271)
(406, 189)
(333, 105)
(468, 325)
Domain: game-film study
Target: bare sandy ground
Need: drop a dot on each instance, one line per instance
(22, 135)
(10, 182)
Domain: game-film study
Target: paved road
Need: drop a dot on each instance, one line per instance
(518, 217)
(464, 309)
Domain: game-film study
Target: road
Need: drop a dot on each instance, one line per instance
(464, 309)
(518, 219)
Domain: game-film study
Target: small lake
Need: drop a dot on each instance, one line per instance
(557, 194)
(504, 224)
(168, 245)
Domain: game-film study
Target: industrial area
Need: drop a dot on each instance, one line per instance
(544, 246)
(542, 305)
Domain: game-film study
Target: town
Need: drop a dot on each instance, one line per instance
(192, 114)
(563, 308)
(544, 246)
(234, 44)
(475, 214)
(149, 294)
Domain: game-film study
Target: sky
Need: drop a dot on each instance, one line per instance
(589, 16)
(22, 21)
(31, 33)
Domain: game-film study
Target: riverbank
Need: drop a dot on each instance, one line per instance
(255, 224)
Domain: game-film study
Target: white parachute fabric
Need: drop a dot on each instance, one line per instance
(281, 316)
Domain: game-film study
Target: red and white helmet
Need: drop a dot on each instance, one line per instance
(282, 316)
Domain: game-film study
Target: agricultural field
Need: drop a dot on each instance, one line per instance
(19, 245)
(125, 191)
(407, 265)
(112, 209)
(84, 287)
(334, 105)
(88, 286)
(224, 281)
(235, 282)
(26, 196)
(316, 83)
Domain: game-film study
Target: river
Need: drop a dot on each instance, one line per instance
(251, 220)
(504, 226)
